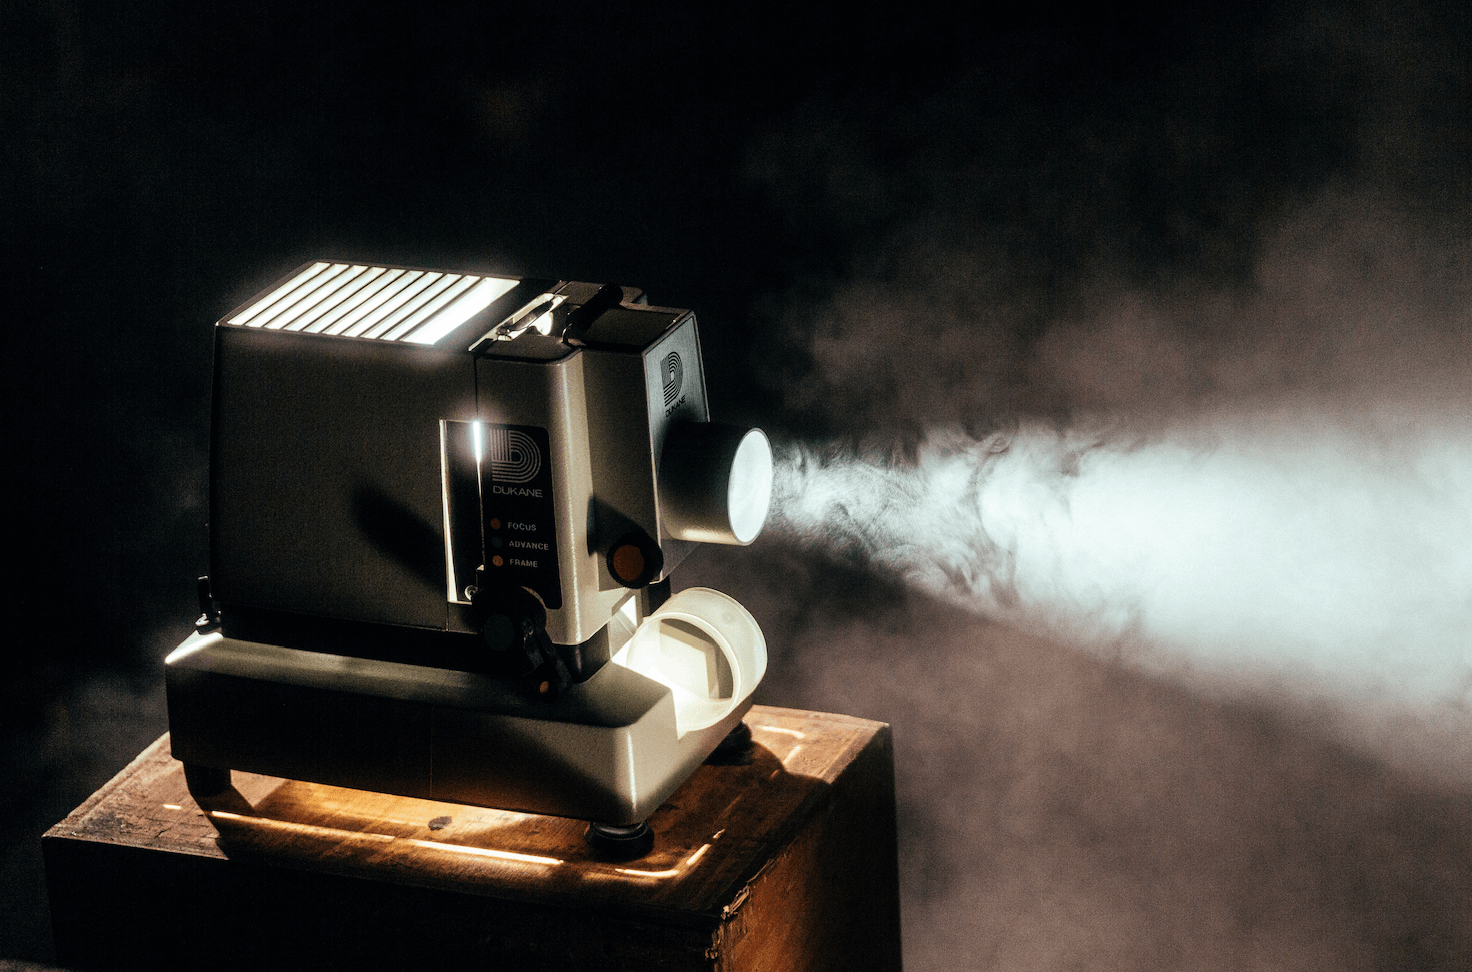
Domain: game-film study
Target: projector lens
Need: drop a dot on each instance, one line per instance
(715, 483)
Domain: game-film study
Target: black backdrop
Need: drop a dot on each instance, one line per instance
(162, 161)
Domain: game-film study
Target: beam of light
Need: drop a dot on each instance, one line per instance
(499, 855)
(300, 828)
(684, 866)
(786, 732)
(1280, 550)
(339, 834)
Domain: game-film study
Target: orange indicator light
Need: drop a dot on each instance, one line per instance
(628, 562)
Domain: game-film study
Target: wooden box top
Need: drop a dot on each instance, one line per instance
(711, 837)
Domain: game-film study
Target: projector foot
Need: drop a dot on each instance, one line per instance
(618, 842)
(734, 750)
(206, 781)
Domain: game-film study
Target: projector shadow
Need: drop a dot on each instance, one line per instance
(716, 815)
(400, 534)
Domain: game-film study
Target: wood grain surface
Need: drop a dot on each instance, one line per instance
(808, 816)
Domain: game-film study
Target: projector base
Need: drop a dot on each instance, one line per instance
(786, 862)
(608, 749)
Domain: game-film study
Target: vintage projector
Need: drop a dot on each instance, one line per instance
(444, 509)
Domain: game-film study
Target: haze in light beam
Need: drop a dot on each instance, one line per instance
(1301, 554)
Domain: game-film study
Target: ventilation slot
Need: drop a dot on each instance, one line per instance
(386, 303)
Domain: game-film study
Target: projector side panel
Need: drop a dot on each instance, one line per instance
(325, 476)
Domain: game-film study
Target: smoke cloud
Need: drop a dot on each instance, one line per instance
(1256, 510)
(1176, 632)
(1256, 554)
(1121, 361)
(1127, 471)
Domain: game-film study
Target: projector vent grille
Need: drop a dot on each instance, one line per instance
(387, 303)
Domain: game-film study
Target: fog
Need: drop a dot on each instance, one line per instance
(1255, 518)
(1118, 370)
(1179, 664)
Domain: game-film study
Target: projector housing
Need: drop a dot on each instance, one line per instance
(440, 504)
(342, 467)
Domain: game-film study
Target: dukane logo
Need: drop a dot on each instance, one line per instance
(512, 455)
(674, 377)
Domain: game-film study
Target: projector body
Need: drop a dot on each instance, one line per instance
(443, 513)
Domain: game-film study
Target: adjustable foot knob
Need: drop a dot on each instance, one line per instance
(206, 781)
(735, 749)
(618, 842)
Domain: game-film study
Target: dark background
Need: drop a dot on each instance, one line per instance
(161, 162)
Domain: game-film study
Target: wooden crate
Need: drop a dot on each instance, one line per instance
(785, 864)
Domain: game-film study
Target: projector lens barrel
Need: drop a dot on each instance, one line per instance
(715, 483)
